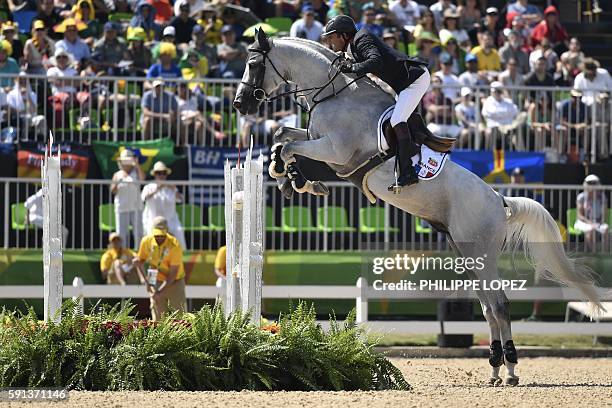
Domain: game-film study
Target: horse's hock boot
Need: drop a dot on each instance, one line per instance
(406, 149)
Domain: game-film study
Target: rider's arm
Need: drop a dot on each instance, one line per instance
(372, 62)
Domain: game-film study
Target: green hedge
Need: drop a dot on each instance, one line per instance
(202, 351)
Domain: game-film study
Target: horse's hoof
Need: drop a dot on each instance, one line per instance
(287, 189)
(495, 381)
(512, 381)
(319, 188)
(276, 169)
(304, 186)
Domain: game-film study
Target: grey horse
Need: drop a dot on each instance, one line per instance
(477, 220)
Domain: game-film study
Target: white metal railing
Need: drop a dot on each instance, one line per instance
(83, 109)
(342, 221)
(361, 293)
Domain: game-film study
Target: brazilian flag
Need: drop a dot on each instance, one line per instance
(497, 165)
(147, 152)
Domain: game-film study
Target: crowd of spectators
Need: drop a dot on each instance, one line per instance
(465, 43)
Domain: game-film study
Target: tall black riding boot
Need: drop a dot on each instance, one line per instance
(406, 148)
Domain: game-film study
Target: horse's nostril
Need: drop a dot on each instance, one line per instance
(237, 104)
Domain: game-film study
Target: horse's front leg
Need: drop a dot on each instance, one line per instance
(320, 149)
(281, 136)
(277, 165)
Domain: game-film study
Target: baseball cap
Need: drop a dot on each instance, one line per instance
(591, 179)
(492, 10)
(160, 222)
(39, 24)
(517, 171)
(576, 92)
(109, 26)
(226, 29)
(197, 29)
(158, 232)
(445, 58)
(389, 33)
(471, 58)
(496, 85)
(113, 236)
(307, 8)
(157, 83)
(169, 31)
(466, 91)
(550, 10)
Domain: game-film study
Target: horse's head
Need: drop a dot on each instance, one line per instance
(257, 82)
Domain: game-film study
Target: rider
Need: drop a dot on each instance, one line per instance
(408, 77)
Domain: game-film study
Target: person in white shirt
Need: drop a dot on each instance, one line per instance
(438, 10)
(62, 67)
(465, 111)
(307, 27)
(22, 102)
(512, 77)
(451, 29)
(472, 77)
(126, 188)
(501, 114)
(450, 83)
(543, 50)
(160, 200)
(34, 206)
(406, 12)
(591, 79)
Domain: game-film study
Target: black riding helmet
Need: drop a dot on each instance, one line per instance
(340, 24)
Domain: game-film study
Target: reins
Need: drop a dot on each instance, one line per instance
(297, 93)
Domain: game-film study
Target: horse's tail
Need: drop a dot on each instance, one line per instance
(531, 226)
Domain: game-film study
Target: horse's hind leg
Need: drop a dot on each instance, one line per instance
(496, 357)
(499, 306)
(495, 308)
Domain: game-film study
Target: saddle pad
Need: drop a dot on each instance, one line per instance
(430, 163)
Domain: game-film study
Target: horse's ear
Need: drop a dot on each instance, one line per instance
(262, 40)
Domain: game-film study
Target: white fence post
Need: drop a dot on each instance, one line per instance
(78, 284)
(362, 300)
(52, 234)
(244, 212)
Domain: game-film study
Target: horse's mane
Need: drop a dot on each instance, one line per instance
(315, 46)
(325, 52)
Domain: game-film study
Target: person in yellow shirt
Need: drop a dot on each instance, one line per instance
(116, 264)
(488, 58)
(164, 257)
(220, 262)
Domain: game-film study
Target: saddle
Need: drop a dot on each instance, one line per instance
(421, 135)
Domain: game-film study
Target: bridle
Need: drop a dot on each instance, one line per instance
(260, 94)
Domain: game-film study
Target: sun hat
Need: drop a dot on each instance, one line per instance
(159, 167)
(126, 156)
(137, 34)
(160, 222)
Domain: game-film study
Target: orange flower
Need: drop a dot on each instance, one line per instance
(273, 328)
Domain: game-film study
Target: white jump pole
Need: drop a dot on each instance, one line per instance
(52, 233)
(244, 236)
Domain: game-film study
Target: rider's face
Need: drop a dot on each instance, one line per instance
(336, 42)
